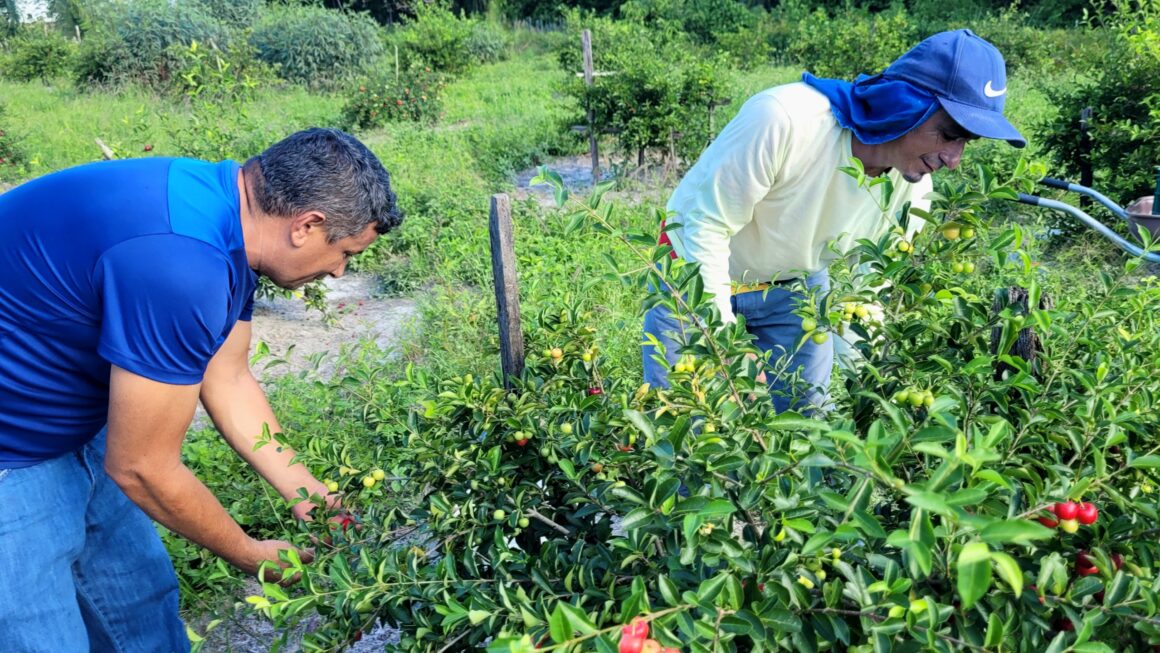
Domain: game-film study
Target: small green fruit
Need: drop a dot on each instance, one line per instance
(499, 515)
(523, 522)
(809, 324)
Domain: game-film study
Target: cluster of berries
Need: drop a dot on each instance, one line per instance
(634, 639)
(1071, 515)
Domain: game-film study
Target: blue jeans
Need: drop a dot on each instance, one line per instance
(769, 318)
(81, 566)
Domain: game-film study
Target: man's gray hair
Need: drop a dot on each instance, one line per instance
(329, 171)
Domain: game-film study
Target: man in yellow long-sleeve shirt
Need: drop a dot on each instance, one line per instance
(766, 204)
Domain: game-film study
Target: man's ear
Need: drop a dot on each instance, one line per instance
(305, 224)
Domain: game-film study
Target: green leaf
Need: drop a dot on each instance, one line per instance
(995, 632)
(643, 424)
(1008, 570)
(1145, 462)
(638, 518)
(781, 620)
(1092, 647)
(477, 616)
(790, 420)
(931, 501)
(710, 588)
(1015, 531)
(974, 572)
(816, 542)
(577, 618)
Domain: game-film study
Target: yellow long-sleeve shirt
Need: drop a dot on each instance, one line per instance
(766, 199)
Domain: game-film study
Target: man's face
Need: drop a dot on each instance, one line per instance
(935, 144)
(317, 259)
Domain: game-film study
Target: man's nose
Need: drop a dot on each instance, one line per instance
(952, 156)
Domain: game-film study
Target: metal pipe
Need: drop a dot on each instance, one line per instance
(1091, 222)
(1084, 190)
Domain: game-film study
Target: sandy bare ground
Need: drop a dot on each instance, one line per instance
(300, 337)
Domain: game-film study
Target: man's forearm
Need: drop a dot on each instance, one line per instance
(241, 413)
(176, 499)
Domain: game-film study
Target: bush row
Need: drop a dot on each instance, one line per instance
(141, 41)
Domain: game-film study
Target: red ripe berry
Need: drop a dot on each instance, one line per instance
(399, 102)
(522, 441)
(1066, 510)
(1087, 513)
(1048, 522)
(595, 391)
(1084, 565)
(148, 147)
(630, 644)
(1063, 624)
(1117, 561)
(638, 627)
(624, 447)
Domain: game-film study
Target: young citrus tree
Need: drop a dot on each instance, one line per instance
(955, 496)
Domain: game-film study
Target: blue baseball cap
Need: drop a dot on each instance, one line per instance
(968, 77)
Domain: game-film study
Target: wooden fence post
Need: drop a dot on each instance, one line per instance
(1085, 154)
(589, 77)
(507, 289)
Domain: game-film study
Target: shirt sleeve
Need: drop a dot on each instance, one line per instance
(165, 304)
(736, 171)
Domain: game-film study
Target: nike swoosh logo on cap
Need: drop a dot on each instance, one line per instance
(990, 92)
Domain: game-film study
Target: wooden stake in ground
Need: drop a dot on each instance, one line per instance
(589, 77)
(507, 289)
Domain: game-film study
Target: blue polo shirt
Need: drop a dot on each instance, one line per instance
(134, 263)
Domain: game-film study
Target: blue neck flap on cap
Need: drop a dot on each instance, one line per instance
(876, 109)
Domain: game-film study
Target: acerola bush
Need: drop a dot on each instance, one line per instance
(413, 96)
(315, 46)
(648, 102)
(551, 516)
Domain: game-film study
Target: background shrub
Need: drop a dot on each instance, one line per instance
(39, 55)
(142, 33)
(414, 95)
(99, 61)
(235, 14)
(437, 38)
(853, 42)
(487, 43)
(1122, 90)
(317, 47)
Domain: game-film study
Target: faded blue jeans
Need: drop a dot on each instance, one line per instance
(81, 566)
(769, 318)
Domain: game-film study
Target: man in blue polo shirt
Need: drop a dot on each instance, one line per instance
(126, 290)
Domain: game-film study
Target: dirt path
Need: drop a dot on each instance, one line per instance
(297, 335)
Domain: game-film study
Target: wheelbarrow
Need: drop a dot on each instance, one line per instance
(1151, 222)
